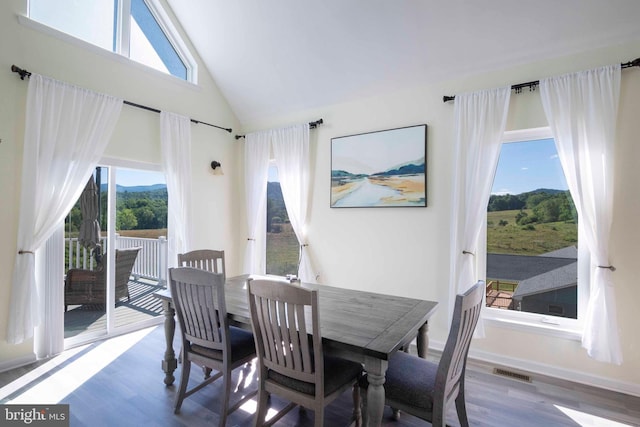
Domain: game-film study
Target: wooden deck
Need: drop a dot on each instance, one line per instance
(499, 299)
(143, 305)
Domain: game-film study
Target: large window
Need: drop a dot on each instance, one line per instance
(137, 29)
(533, 261)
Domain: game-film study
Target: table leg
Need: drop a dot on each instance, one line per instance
(376, 369)
(422, 341)
(169, 363)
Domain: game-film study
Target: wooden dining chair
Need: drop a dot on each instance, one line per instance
(207, 338)
(423, 388)
(204, 259)
(291, 361)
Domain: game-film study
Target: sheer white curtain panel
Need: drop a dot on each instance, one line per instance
(256, 174)
(582, 109)
(291, 151)
(480, 120)
(175, 138)
(66, 131)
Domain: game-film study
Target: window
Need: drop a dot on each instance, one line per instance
(137, 29)
(283, 249)
(534, 266)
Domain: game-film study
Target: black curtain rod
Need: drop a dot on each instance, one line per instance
(312, 125)
(532, 85)
(24, 73)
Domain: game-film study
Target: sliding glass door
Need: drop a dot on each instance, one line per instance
(109, 284)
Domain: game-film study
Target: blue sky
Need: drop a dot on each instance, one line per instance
(130, 177)
(529, 165)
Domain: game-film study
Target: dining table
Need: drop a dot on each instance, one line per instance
(366, 327)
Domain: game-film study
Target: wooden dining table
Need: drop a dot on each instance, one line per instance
(362, 326)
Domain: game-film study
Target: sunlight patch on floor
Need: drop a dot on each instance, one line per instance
(36, 373)
(251, 406)
(60, 384)
(587, 420)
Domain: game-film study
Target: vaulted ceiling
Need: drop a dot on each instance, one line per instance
(273, 57)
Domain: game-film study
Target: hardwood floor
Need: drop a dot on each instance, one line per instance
(119, 382)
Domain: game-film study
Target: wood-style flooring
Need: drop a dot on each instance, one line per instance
(119, 382)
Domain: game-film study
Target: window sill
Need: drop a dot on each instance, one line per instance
(533, 323)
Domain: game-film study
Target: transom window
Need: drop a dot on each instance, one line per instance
(137, 29)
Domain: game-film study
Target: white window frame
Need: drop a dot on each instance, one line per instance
(123, 34)
(533, 322)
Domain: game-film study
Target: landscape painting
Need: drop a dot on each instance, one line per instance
(380, 169)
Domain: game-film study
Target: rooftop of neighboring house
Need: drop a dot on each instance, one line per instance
(535, 274)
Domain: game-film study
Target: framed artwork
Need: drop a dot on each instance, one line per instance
(380, 169)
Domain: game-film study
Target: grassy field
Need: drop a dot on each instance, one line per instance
(282, 252)
(145, 234)
(527, 240)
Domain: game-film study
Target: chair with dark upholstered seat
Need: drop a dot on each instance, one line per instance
(422, 388)
(204, 259)
(207, 338)
(291, 361)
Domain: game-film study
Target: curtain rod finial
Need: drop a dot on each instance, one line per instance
(23, 73)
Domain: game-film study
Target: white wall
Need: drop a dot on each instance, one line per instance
(137, 135)
(405, 251)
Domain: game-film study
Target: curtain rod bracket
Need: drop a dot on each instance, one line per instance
(23, 73)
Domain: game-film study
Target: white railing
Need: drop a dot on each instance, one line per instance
(151, 262)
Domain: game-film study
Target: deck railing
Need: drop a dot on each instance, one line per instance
(151, 262)
(500, 294)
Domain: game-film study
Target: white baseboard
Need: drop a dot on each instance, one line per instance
(484, 359)
(7, 365)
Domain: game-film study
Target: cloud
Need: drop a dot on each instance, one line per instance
(553, 156)
(524, 169)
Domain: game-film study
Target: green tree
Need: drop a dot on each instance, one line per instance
(535, 199)
(126, 220)
(145, 218)
(548, 210)
(568, 212)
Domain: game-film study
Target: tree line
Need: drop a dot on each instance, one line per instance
(542, 206)
(139, 210)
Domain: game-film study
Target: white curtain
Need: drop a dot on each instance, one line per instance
(66, 131)
(291, 151)
(256, 174)
(581, 109)
(175, 137)
(480, 120)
